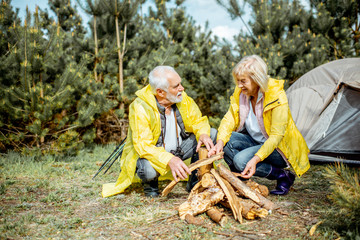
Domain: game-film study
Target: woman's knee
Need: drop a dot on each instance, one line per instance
(240, 162)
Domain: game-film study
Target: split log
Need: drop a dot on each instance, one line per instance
(244, 189)
(192, 167)
(217, 216)
(251, 210)
(230, 195)
(262, 189)
(203, 152)
(201, 202)
(208, 180)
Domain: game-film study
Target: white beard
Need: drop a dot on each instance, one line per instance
(173, 98)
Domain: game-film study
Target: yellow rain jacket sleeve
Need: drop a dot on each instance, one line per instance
(143, 134)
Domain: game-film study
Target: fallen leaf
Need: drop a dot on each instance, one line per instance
(313, 228)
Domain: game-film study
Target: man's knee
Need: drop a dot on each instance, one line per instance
(145, 171)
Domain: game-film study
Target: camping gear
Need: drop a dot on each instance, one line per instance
(112, 158)
(325, 105)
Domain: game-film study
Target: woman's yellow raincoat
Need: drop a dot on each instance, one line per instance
(143, 134)
(278, 124)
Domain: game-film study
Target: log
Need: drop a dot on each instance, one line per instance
(230, 194)
(201, 202)
(244, 189)
(203, 152)
(250, 210)
(192, 167)
(208, 180)
(217, 216)
(262, 189)
(194, 220)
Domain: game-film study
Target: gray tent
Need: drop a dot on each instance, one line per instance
(325, 105)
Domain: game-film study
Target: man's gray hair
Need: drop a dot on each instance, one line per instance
(255, 67)
(157, 78)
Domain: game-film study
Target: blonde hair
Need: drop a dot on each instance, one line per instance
(255, 67)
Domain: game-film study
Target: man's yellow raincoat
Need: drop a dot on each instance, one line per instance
(278, 124)
(143, 134)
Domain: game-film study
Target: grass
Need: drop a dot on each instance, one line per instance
(54, 197)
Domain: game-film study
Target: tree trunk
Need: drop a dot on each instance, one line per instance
(96, 49)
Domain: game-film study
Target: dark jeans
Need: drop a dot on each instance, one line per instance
(241, 148)
(147, 173)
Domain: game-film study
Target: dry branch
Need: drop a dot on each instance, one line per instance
(230, 194)
(244, 189)
(192, 167)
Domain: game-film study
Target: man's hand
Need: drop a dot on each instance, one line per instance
(250, 167)
(204, 139)
(178, 168)
(218, 148)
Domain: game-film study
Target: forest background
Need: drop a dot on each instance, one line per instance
(63, 86)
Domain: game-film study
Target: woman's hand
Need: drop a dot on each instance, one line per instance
(218, 148)
(204, 139)
(250, 167)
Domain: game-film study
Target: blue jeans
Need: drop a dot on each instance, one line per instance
(146, 172)
(241, 148)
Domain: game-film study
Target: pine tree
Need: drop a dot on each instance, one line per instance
(95, 8)
(293, 40)
(344, 215)
(53, 101)
(204, 66)
(123, 11)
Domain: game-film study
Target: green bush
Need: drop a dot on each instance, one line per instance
(344, 216)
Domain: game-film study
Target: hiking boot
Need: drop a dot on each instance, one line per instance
(285, 179)
(151, 188)
(193, 180)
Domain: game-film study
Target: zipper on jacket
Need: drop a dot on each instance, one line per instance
(271, 103)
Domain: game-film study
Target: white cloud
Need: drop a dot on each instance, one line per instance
(225, 32)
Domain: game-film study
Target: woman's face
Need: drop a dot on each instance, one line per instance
(247, 85)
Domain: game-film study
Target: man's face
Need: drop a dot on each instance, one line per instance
(175, 89)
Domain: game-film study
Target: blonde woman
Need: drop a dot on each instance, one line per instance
(258, 132)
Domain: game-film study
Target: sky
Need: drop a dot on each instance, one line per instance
(219, 20)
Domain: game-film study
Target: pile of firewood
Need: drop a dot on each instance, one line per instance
(246, 199)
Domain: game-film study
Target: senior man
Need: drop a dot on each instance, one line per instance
(165, 128)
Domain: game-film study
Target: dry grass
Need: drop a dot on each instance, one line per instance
(56, 198)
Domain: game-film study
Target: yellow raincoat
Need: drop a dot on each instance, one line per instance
(278, 124)
(143, 134)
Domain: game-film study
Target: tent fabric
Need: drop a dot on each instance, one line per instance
(325, 105)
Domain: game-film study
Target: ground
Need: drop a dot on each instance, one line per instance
(55, 198)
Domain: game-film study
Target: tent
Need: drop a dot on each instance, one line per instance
(325, 105)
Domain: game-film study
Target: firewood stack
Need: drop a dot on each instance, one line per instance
(221, 186)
